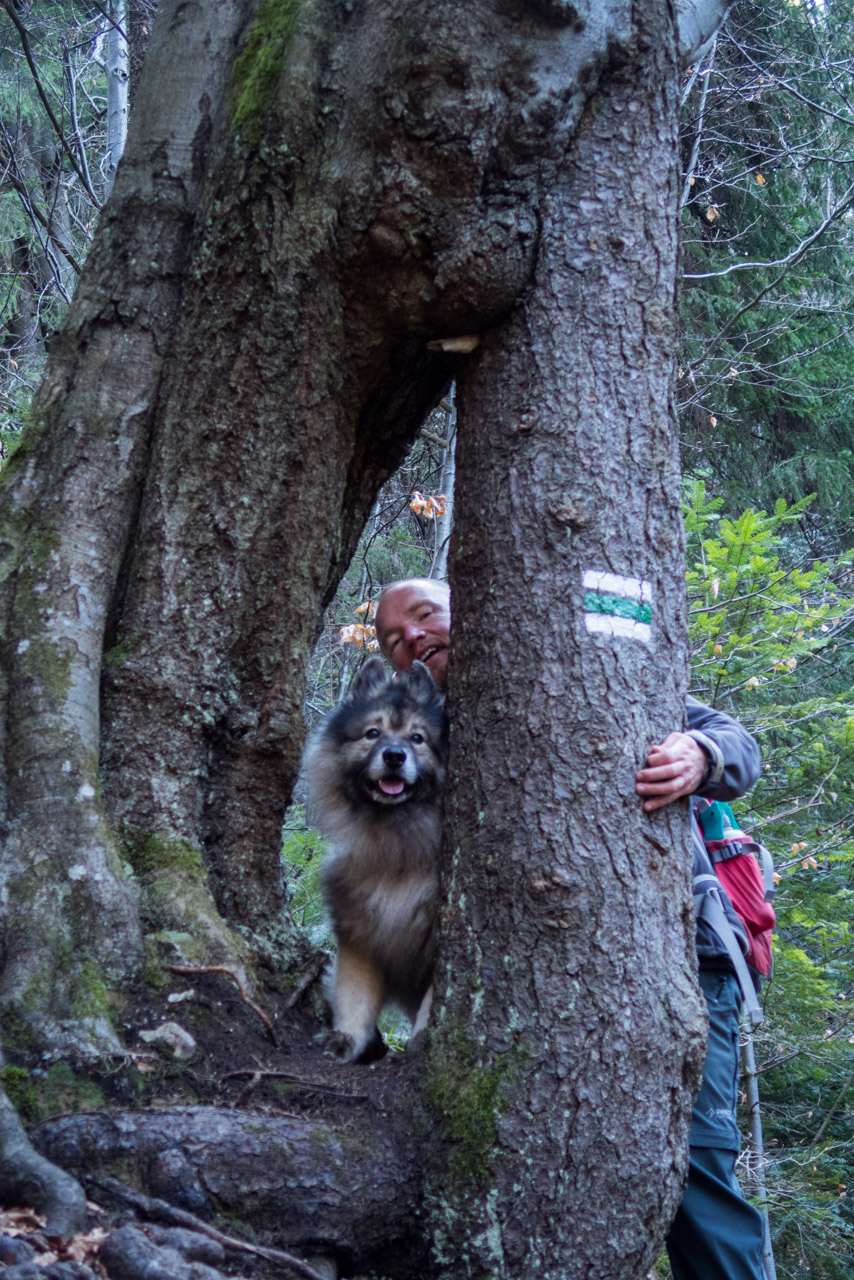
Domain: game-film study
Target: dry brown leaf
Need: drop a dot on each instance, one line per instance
(84, 1248)
(19, 1222)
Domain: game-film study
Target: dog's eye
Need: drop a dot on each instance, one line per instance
(416, 737)
(372, 733)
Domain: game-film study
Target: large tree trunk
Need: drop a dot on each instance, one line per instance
(569, 919)
(312, 199)
(70, 501)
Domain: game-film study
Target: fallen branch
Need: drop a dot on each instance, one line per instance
(257, 1076)
(162, 1211)
(248, 1089)
(192, 970)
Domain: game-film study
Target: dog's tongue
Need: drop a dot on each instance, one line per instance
(391, 786)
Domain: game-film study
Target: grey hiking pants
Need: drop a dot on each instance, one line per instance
(716, 1234)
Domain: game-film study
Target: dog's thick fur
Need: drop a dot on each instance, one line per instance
(375, 771)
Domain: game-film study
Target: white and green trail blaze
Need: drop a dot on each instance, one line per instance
(616, 606)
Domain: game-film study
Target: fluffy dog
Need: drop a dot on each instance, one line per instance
(375, 772)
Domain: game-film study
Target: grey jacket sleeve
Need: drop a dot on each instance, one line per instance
(733, 753)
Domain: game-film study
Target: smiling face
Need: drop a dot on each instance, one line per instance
(386, 743)
(414, 621)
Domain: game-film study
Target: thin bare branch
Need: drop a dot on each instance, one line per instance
(60, 133)
(791, 258)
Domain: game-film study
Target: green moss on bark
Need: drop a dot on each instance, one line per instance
(257, 71)
(150, 852)
(122, 650)
(177, 901)
(47, 661)
(89, 996)
(154, 974)
(467, 1096)
(49, 664)
(21, 1092)
(60, 1090)
(41, 544)
(18, 1036)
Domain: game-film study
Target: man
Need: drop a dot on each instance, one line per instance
(413, 620)
(716, 1234)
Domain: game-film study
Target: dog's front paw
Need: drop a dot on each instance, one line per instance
(341, 1046)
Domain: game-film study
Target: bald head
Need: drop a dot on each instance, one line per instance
(413, 620)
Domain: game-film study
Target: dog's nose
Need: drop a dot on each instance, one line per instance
(393, 757)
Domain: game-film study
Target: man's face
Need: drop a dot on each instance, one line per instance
(414, 621)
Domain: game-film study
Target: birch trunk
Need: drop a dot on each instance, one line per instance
(116, 67)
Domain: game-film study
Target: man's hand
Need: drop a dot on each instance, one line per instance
(673, 769)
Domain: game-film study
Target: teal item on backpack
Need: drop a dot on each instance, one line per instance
(716, 819)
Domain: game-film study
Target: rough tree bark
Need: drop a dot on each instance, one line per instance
(311, 194)
(70, 498)
(569, 907)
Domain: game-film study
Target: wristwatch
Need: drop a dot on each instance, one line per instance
(714, 757)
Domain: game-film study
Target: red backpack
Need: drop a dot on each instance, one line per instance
(736, 858)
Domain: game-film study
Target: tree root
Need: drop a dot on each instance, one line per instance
(192, 970)
(28, 1178)
(309, 978)
(162, 1211)
(130, 1254)
(340, 1185)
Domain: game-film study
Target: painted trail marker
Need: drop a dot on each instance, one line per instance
(616, 606)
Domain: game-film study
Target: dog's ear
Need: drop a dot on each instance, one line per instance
(370, 679)
(421, 683)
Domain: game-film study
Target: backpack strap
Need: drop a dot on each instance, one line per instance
(723, 850)
(708, 907)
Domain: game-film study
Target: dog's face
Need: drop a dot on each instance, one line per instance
(391, 736)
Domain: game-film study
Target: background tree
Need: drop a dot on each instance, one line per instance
(766, 362)
(772, 644)
(57, 97)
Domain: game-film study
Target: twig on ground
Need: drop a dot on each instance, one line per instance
(162, 1211)
(248, 1089)
(257, 1076)
(194, 969)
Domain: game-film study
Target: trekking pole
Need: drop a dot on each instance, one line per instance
(757, 1150)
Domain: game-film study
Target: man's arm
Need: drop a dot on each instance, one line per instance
(716, 758)
(734, 772)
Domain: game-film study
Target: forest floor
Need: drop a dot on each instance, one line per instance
(251, 1126)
